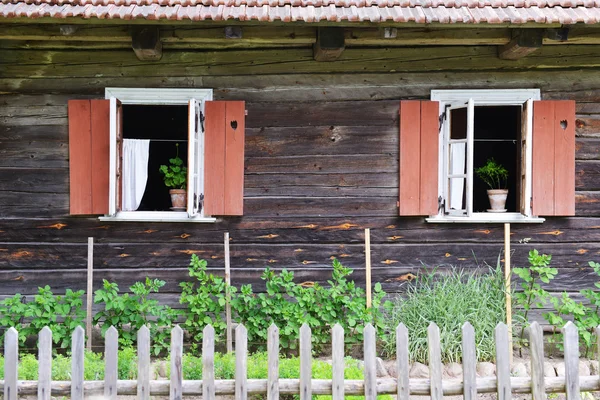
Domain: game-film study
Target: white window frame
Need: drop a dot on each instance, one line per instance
(148, 96)
(484, 97)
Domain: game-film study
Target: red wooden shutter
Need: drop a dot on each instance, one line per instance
(419, 135)
(553, 171)
(88, 156)
(224, 158)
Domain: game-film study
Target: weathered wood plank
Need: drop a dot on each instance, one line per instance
(502, 362)
(273, 362)
(571, 345)
(45, 364)
(143, 352)
(337, 362)
(402, 361)
(77, 356)
(435, 361)
(370, 363)
(208, 363)
(29, 180)
(469, 362)
(175, 390)
(11, 364)
(305, 363)
(241, 363)
(536, 345)
(111, 367)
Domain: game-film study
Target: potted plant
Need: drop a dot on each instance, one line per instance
(495, 176)
(175, 177)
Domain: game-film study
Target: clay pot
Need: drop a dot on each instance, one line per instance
(497, 199)
(178, 198)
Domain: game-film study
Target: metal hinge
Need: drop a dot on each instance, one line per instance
(202, 118)
(441, 203)
(443, 117)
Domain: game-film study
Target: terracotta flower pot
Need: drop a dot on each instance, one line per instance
(178, 198)
(497, 199)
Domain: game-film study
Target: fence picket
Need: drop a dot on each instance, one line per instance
(305, 363)
(273, 361)
(402, 362)
(502, 362)
(45, 364)
(469, 361)
(435, 361)
(208, 363)
(370, 363)
(175, 392)
(241, 363)
(571, 344)
(11, 360)
(143, 347)
(337, 362)
(77, 356)
(111, 348)
(536, 346)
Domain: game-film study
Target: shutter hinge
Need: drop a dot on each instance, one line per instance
(198, 200)
(441, 203)
(443, 117)
(202, 118)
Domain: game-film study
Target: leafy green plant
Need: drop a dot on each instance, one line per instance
(175, 174)
(449, 301)
(493, 174)
(129, 312)
(204, 299)
(533, 295)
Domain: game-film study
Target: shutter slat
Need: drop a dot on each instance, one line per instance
(214, 158)
(224, 157)
(419, 152)
(88, 156)
(553, 180)
(234, 158)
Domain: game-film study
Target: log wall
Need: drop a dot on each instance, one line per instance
(321, 165)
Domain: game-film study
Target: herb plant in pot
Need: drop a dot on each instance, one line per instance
(175, 177)
(495, 176)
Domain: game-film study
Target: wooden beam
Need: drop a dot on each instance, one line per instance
(329, 45)
(524, 42)
(146, 43)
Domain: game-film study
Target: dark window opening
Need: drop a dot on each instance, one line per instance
(497, 134)
(165, 127)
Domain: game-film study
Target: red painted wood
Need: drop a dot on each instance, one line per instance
(100, 139)
(234, 158)
(214, 158)
(80, 157)
(543, 158)
(564, 157)
(428, 202)
(410, 154)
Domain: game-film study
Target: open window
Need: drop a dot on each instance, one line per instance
(534, 140)
(142, 129)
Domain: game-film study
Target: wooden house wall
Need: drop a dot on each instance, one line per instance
(321, 164)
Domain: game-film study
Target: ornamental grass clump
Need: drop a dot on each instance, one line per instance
(448, 301)
(493, 174)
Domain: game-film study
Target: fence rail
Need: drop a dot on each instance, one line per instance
(436, 387)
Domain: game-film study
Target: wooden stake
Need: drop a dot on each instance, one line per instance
(507, 288)
(227, 294)
(368, 264)
(90, 291)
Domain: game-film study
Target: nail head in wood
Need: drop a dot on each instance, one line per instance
(146, 43)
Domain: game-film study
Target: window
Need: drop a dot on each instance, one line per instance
(443, 142)
(117, 145)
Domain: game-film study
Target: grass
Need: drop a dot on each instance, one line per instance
(449, 301)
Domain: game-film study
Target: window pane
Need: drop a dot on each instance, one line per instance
(457, 158)
(458, 123)
(456, 194)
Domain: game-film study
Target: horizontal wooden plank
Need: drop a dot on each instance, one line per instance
(587, 175)
(587, 148)
(370, 163)
(30, 180)
(34, 154)
(588, 126)
(33, 115)
(33, 63)
(41, 133)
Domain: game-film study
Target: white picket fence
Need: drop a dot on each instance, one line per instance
(436, 387)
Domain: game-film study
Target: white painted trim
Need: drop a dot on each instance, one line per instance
(483, 218)
(470, 148)
(156, 216)
(112, 161)
(486, 96)
(170, 96)
(529, 157)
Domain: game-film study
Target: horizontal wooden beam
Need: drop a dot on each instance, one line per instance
(181, 37)
(523, 43)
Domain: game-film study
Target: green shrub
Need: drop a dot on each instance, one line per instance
(449, 301)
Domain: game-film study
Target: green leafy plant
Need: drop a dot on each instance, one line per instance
(175, 174)
(533, 295)
(493, 174)
(129, 312)
(204, 299)
(449, 300)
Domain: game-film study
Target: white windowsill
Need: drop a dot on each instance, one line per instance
(156, 216)
(513, 218)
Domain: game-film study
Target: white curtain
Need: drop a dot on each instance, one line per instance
(457, 166)
(135, 172)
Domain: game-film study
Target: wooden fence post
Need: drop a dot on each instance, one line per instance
(90, 292)
(305, 363)
(402, 361)
(435, 361)
(241, 363)
(45, 364)
(228, 294)
(536, 345)
(337, 362)
(469, 361)
(11, 364)
(370, 363)
(175, 392)
(368, 265)
(273, 361)
(77, 357)
(208, 363)
(143, 345)
(571, 344)
(502, 362)
(111, 363)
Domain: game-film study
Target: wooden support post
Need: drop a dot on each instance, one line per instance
(228, 294)
(524, 42)
(330, 44)
(368, 265)
(90, 292)
(146, 43)
(507, 288)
